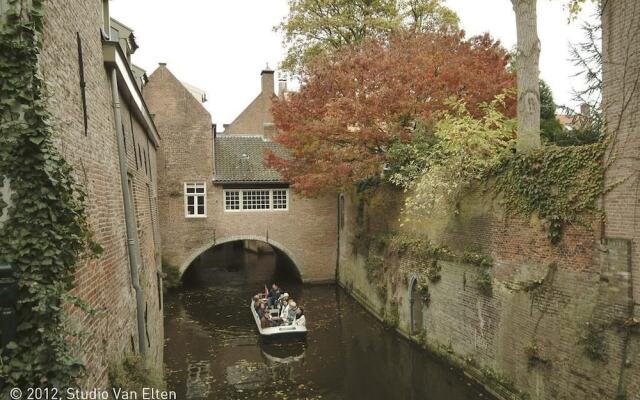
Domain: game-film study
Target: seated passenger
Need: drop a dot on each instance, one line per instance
(273, 295)
(283, 306)
(290, 316)
(300, 318)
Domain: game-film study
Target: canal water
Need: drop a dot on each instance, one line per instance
(213, 350)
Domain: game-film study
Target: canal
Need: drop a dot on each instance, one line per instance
(213, 350)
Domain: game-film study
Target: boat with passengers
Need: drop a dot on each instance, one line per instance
(278, 317)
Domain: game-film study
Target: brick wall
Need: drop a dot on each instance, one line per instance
(541, 293)
(306, 231)
(253, 118)
(105, 284)
(621, 103)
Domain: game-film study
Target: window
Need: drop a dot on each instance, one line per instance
(232, 200)
(256, 199)
(83, 94)
(195, 197)
(280, 199)
(341, 212)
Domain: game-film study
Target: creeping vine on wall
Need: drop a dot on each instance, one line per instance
(46, 234)
(426, 256)
(559, 184)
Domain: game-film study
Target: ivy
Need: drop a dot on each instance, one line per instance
(46, 235)
(559, 184)
(532, 350)
(594, 342)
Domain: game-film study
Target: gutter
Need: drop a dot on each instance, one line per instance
(132, 238)
(113, 57)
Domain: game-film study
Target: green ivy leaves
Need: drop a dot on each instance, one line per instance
(559, 184)
(46, 235)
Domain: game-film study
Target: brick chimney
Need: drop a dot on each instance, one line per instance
(282, 86)
(269, 130)
(267, 81)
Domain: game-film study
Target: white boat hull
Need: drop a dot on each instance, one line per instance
(277, 331)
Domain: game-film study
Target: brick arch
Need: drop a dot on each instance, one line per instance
(194, 254)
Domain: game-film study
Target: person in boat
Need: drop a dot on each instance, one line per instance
(263, 315)
(300, 318)
(290, 316)
(283, 305)
(273, 294)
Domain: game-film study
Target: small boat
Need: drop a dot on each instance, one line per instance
(283, 331)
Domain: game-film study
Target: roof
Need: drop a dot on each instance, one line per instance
(240, 159)
(196, 92)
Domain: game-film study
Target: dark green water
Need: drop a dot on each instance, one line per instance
(213, 350)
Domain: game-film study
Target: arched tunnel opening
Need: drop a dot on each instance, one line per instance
(241, 262)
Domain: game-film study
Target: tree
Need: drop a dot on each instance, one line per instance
(549, 124)
(527, 66)
(355, 103)
(315, 26)
(428, 15)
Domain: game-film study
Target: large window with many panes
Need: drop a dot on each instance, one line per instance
(256, 199)
(195, 200)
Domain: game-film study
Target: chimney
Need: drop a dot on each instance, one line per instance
(269, 130)
(267, 81)
(282, 86)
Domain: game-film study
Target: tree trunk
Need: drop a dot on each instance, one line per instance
(527, 60)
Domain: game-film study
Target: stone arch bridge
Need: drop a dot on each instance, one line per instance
(215, 188)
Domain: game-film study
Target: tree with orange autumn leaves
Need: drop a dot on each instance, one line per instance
(358, 101)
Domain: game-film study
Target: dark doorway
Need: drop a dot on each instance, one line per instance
(417, 306)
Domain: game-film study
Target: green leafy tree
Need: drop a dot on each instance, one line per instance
(466, 150)
(315, 26)
(549, 124)
(428, 15)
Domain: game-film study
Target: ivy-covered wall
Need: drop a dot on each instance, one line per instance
(495, 294)
(105, 283)
(66, 232)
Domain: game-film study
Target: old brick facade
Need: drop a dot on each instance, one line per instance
(305, 231)
(105, 284)
(621, 103)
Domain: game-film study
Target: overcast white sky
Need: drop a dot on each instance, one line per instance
(222, 45)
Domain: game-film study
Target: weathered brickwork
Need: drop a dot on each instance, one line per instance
(105, 284)
(253, 119)
(541, 294)
(621, 103)
(306, 232)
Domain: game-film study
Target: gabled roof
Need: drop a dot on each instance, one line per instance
(240, 159)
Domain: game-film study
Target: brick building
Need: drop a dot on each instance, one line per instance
(214, 187)
(85, 56)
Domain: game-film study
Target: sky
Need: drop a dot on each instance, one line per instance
(221, 46)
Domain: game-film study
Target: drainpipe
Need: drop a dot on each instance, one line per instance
(339, 213)
(132, 238)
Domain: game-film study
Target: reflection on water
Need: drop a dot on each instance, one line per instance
(213, 350)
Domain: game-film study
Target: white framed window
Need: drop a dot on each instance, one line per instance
(256, 199)
(280, 199)
(195, 200)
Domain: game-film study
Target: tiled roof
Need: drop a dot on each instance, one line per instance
(240, 158)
